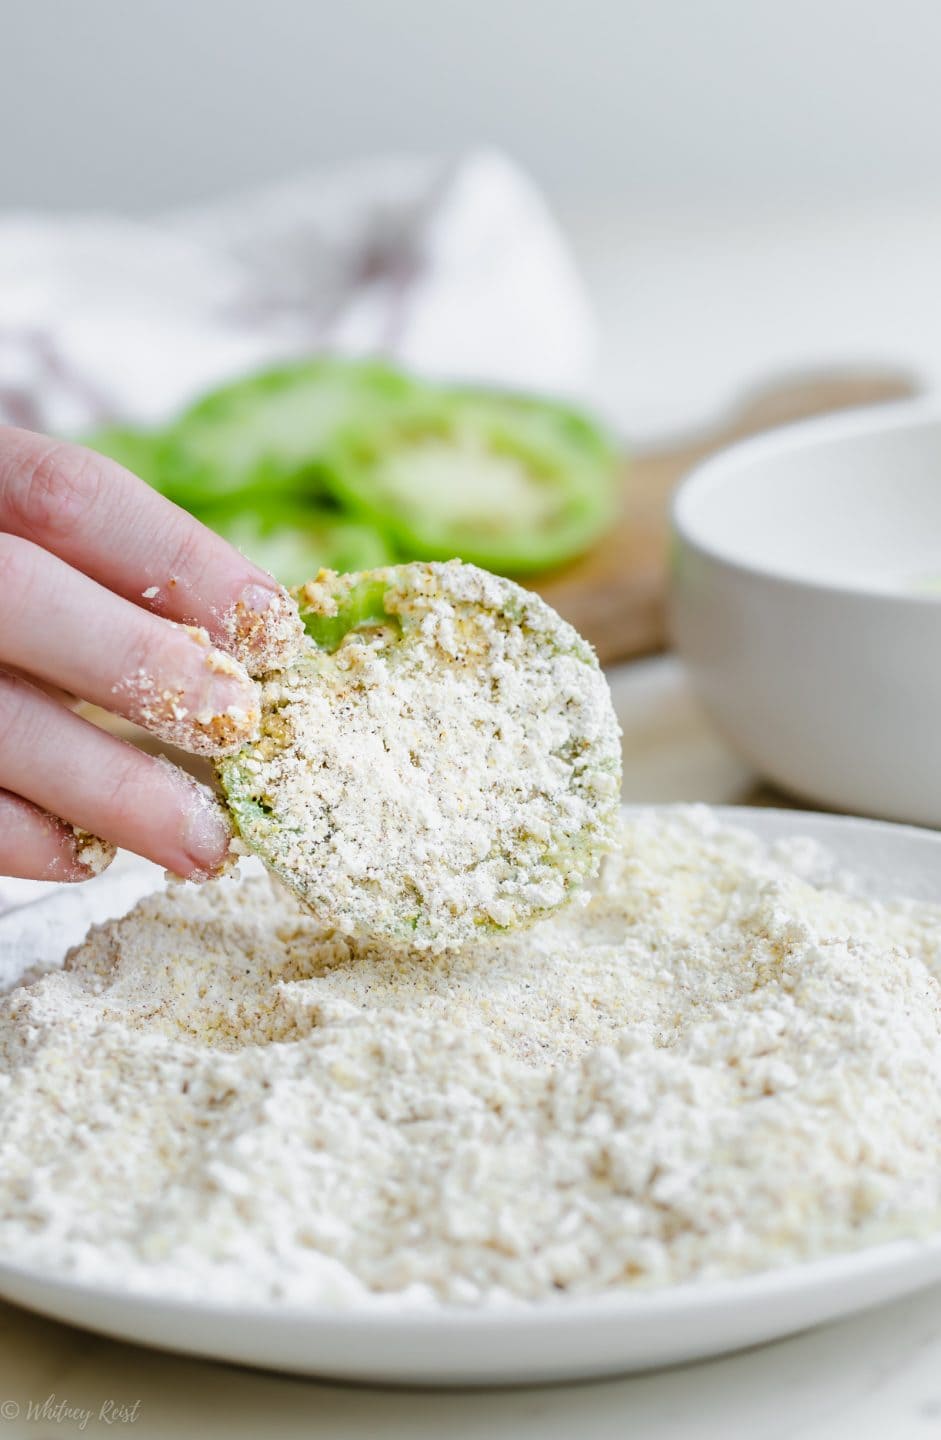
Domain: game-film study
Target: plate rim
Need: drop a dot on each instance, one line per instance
(615, 1305)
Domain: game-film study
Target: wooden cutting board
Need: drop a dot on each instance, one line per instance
(616, 595)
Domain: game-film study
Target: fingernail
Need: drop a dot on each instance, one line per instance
(80, 856)
(210, 708)
(206, 833)
(264, 628)
(225, 711)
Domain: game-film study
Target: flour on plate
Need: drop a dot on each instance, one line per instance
(717, 1065)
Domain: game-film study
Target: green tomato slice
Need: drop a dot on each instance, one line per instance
(264, 436)
(443, 760)
(292, 542)
(508, 482)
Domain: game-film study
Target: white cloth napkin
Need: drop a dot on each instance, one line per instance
(456, 270)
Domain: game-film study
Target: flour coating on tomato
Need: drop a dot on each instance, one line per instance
(452, 765)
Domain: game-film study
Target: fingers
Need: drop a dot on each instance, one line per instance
(100, 518)
(68, 767)
(36, 846)
(66, 629)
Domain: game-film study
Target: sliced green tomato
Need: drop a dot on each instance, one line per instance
(443, 830)
(360, 605)
(294, 542)
(141, 451)
(265, 435)
(508, 482)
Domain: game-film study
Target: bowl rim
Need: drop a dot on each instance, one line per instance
(708, 474)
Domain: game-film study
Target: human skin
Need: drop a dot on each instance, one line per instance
(95, 568)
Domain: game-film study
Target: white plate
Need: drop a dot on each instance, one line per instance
(561, 1340)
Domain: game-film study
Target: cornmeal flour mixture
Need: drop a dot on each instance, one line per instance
(447, 761)
(724, 1060)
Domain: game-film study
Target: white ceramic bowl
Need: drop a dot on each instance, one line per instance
(807, 605)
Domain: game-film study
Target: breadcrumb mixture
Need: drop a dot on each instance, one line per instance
(457, 767)
(93, 854)
(263, 629)
(726, 1061)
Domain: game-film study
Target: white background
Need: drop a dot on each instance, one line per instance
(751, 186)
(632, 104)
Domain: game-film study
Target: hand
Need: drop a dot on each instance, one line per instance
(101, 584)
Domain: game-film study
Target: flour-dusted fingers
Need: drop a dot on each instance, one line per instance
(64, 628)
(103, 520)
(69, 767)
(35, 845)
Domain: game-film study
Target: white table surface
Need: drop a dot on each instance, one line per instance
(878, 1375)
